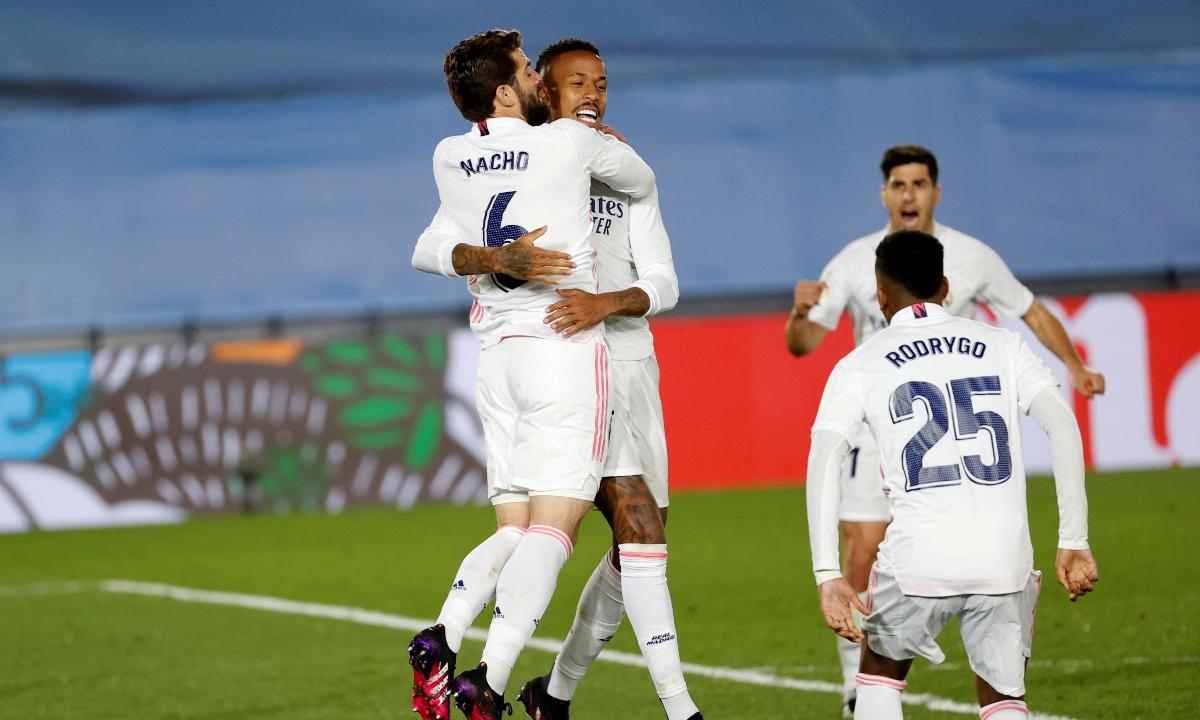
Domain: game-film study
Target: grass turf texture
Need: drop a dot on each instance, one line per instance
(739, 573)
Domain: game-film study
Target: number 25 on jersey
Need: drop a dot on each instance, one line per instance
(968, 423)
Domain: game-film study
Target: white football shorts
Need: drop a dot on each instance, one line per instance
(862, 483)
(638, 442)
(544, 406)
(997, 630)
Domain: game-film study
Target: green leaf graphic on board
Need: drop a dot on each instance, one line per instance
(435, 350)
(400, 350)
(425, 437)
(387, 393)
(375, 411)
(389, 379)
(337, 385)
(349, 352)
(293, 477)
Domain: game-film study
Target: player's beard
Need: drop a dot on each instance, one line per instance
(536, 112)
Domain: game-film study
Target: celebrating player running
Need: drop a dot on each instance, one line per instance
(977, 274)
(941, 397)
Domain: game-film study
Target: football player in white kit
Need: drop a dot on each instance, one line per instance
(977, 274)
(543, 398)
(941, 396)
(637, 279)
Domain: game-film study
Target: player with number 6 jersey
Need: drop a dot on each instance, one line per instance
(942, 396)
(542, 399)
(500, 178)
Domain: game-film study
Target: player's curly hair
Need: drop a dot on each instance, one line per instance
(914, 260)
(905, 154)
(477, 66)
(566, 45)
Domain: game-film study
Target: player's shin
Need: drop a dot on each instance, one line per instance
(878, 697)
(475, 582)
(597, 619)
(648, 603)
(522, 594)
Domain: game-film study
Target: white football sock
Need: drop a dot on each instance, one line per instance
(522, 594)
(648, 603)
(878, 697)
(597, 619)
(475, 582)
(1004, 710)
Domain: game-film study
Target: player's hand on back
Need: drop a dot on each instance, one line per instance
(837, 599)
(806, 294)
(608, 130)
(523, 260)
(1076, 571)
(1088, 382)
(578, 310)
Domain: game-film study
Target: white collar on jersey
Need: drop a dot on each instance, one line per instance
(916, 313)
(495, 124)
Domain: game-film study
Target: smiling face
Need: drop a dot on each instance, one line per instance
(576, 86)
(909, 194)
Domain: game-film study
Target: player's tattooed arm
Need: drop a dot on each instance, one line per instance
(579, 310)
(520, 259)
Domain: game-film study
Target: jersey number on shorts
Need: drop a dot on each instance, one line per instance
(497, 234)
(967, 425)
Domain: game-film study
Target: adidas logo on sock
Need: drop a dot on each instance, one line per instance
(606, 639)
(660, 639)
(458, 585)
(496, 613)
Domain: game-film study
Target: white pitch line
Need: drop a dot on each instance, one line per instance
(375, 618)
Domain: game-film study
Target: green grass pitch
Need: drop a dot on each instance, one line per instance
(739, 574)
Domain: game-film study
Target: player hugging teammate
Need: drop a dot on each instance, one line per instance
(567, 388)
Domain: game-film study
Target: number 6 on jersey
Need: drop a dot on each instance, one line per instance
(497, 234)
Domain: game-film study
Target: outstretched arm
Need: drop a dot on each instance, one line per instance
(1075, 567)
(1054, 336)
(823, 495)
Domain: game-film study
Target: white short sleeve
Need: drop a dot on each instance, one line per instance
(842, 409)
(832, 304)
(1001, 290)
(1032, 375)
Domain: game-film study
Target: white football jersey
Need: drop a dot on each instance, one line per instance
(504, 178)
(976, 273)
(632, 250)
(941, 395)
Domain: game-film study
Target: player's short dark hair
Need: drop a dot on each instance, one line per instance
(477, 66)
(566, 45)
(914, 260)
(905, 154)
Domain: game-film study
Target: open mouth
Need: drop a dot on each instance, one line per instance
(910, 217)
(587, 115)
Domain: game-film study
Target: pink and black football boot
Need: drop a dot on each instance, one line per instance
(476, 699)
(432, 662)
(540, 704)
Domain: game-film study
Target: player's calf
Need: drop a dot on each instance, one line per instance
(631, 511)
